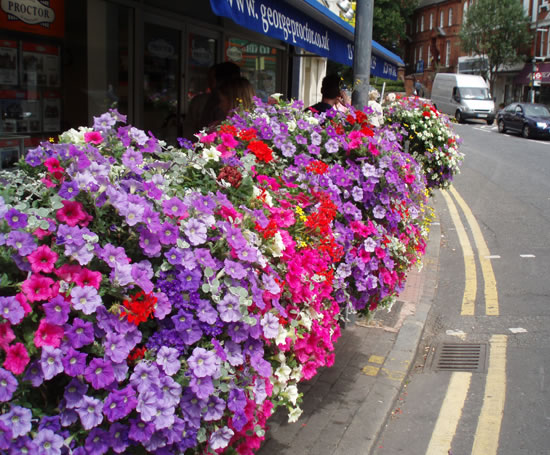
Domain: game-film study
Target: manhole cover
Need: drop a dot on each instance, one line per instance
(460, 357)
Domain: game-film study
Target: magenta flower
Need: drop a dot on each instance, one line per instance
(48, 334)
(42, 259)
(93, 137)
(17, 358)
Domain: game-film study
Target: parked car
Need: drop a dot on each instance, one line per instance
(466, 96)
(528, 119)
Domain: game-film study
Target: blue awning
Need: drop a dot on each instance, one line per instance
(309, 25)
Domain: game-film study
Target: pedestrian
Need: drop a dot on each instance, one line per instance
(233, 94)
(332, 95)
(376, 117)
(418, 88)
(206, 110)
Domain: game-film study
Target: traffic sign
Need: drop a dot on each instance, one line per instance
(538, 76)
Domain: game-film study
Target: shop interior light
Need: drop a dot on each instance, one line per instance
(344, 5)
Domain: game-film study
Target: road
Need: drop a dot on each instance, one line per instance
(492, 299)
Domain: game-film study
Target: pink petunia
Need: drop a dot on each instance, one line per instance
(17, 358)
(87, 277)
(72, 213)
(6, 335)
(94, 137)
(68, 272)
(48, 335)
(42, 259)
(39, 287)
(20, 297)
(52, 164)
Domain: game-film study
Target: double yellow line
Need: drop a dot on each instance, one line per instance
(487, 435)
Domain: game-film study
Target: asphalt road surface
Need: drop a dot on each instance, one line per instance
(481, 381)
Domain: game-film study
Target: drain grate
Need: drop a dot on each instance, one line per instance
(460, 357)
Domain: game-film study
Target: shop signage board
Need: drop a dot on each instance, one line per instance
(33, 16)
(288, 24)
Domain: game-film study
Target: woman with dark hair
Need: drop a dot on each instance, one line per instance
(332, 94)
(235, 93)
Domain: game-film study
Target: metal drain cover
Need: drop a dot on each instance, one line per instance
(460, 357)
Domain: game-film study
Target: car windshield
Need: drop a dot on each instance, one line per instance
(536, 110)
(474, 93)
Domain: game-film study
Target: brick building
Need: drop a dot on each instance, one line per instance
(434, 45)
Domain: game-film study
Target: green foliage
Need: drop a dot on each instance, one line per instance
(390, 18)
(497, 30)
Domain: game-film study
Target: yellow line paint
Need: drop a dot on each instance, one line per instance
(470, 289)
(488, 427)
(377, 359)
(450, 413)
(491, 295)
(370, 370)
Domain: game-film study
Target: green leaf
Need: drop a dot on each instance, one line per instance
(208, 272)
(205, 287)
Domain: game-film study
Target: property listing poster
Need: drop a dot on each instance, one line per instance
(9, 62)
(51, 111)
(41, 65)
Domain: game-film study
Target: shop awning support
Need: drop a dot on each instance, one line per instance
(363, 50)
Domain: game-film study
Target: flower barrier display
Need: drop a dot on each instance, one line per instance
(430, 138)
(166, 300)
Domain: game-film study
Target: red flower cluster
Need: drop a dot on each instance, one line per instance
(139, 308)
(261, 150)
(248, 134)
(231, 175)
(318, 167)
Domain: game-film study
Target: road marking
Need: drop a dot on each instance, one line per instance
(488, 427)
(491, 294)
(493, 256)
(527, 256)
(517, 330)
(450, 413)
(470, 287)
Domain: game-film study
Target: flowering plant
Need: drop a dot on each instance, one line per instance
(432, 141)
(377, 190)
(141, 313)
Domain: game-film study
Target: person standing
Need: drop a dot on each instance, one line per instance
(332, 95)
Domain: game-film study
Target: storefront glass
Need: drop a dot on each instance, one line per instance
(161, 81)
(260, 64)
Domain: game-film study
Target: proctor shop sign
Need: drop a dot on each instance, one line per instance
(38, 17)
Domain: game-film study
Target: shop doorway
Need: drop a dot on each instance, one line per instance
(162, 81)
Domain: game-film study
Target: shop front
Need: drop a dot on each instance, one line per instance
(63, 62)
(535, 77)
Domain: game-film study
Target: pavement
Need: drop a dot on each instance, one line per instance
(347, 405)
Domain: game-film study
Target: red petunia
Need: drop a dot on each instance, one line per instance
(139, 308)
(261, 151)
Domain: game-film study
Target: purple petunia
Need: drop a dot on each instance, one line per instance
(80, 333)
(11, 309)
(229, 308)
(69, 190)
(220, 438)
(89, 411)
(168, 360)
(203, 363)
(202, 387)
(74, 392)
(234, 269)
(85, 299)
(50, 362)
(74, 362)
(99, 373)
(195, 231)
(48, 443)
(119, 437)
(19, 420)
(173, 207)
(22, 241)
(98, 441)
(270, 325)
(16, 219)
(57, 310)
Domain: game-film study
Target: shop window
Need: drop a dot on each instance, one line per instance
(259, 63)
(201, 56)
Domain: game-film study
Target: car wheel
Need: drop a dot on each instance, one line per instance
(501, 127)
(526, 131)
(458, 117)
(490, 121)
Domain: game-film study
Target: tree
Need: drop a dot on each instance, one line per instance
(390, 18)
(497, 30)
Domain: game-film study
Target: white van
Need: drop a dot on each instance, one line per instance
(465, 96)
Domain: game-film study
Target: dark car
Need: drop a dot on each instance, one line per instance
(528, 119)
